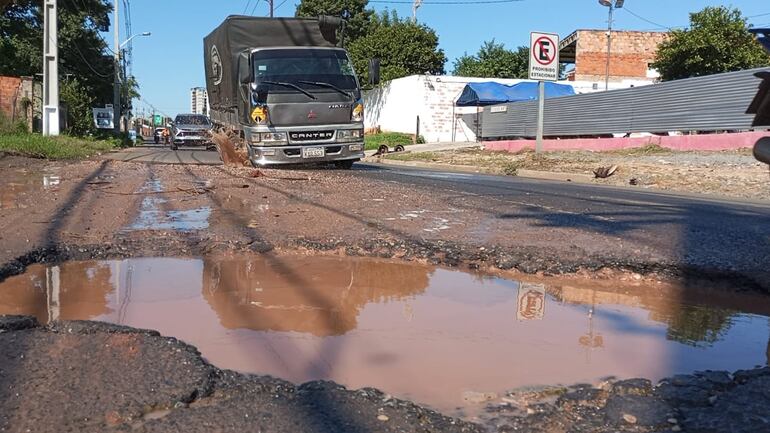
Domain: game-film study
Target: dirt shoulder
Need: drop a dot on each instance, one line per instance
(727, 173)
(124, 379)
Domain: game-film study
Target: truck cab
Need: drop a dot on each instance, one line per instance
(304, 105)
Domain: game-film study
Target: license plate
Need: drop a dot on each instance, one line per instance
(313, 152)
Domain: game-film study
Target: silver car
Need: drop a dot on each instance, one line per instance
(191, 130)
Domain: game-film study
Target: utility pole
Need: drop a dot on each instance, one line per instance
(50, 69)
(116, 78)
(271, 7)
(616, 5)
(609, 50)
(415, 6)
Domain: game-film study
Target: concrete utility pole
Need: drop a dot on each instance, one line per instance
(50, 69)
(617, 5)
(271, 7)
(116, 80)
(540, 115)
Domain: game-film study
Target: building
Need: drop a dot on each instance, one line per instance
(199, 101)
(396, 105)
(631, 54)
(20, 101)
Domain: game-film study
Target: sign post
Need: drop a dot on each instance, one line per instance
(543, 66)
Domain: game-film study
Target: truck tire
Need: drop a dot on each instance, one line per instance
(344, 165)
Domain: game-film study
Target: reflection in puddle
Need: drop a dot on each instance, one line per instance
(433, 335)
(19, 188)
(152, 217)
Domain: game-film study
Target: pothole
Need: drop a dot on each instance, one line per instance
(449, 339)
(152, 216)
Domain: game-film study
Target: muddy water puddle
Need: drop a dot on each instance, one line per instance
(436, 336)
(20, 188)
(155, 212)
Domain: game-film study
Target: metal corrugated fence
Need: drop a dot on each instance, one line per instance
(714, 102)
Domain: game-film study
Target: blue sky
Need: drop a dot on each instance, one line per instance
(170, 62)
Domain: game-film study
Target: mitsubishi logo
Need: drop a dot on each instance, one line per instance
(311, 115)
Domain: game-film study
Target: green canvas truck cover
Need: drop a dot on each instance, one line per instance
(242, 33)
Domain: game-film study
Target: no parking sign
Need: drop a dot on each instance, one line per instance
(543, 56)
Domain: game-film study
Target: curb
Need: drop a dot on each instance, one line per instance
(532, 174)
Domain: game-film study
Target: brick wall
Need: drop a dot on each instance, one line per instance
(10, 94)
(631, 54)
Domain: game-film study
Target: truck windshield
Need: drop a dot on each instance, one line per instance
(305, 66)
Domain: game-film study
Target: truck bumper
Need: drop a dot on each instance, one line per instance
(294, 155)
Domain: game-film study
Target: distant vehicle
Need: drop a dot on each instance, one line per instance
(289, 89)
(191, 129)
(159, 135)
(760, 106)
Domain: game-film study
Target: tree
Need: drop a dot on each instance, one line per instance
(357, 22)
(717, 41)
(403, 47)
(85, 66)
(494, 61)
(77, 100)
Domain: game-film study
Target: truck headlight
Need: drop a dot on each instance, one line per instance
(358, 112)
(268, 138)
(350, 134)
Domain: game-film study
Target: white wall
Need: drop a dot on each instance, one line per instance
(395, 105)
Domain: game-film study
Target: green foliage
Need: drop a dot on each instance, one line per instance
(83, 54)
(403, 47)
(717, 41)
(61, 147)
(359, 16)
(7, 126)
(698, 326)
(392, 139)
(494, 61)
(79, 103)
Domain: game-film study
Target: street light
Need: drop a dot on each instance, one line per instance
(617, 5)
(132, 37)
(116, 82)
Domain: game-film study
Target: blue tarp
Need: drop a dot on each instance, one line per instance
(489, 93)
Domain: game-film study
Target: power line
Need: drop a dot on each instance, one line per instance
(99, 35)
(279, 5)
(256, 3)
(646, 20)
(88, 64)
(245, 8)
(441, 2)
(759, 15)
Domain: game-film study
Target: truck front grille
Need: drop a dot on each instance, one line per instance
(311, 135)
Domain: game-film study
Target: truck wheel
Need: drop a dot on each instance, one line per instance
(344, 165)
(399, 148)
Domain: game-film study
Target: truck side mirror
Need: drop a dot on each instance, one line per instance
(244, 69)
(374, 72)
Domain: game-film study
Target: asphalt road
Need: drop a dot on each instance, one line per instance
(690, 230)
(161, 154)
(696, 231)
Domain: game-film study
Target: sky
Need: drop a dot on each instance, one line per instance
(169, 63)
